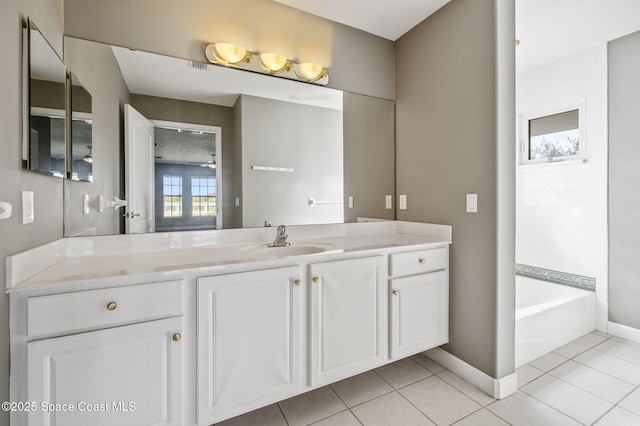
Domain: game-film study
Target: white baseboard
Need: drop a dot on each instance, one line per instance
(497, 388)
(623, 331)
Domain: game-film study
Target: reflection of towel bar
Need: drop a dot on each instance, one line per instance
(272, 169)
(313, 202)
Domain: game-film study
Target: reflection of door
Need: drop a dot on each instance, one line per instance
(139, 172)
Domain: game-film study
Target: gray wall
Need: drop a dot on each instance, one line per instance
(369, 156)
(455, 119)
(624, 180)
(15, 237)
(96, 67)
(357, 61)
(305, 138)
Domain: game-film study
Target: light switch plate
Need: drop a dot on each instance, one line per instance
(403, 202)
(28, 215)
(388, 202)
(85, 203)
(472, 203)
(350, 201)
(237, 201)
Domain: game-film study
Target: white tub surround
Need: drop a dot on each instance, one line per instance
(550, 315)
(194, 328)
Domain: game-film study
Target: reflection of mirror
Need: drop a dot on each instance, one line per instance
(278, 146)
(81, 132)
(47, 95)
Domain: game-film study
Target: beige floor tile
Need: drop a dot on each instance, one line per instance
(344, 418)
(267, 416)
(390, 410)
(427, 363)
(614, 366)
(626, 342)
(466, 388)
(361, 388)
(596, 382)
(402, 373)
(523, 410)
(441, 402)
(568, 399)
(311, 406)
(526, 374)
(548, 362)
(482, 417)
(571, 349)
(632, 402)
(621, 350)
(591, 339)
(619, 417)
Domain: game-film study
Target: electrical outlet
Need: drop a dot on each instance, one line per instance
(388, 202)
(350, 201)
(403, 202)
(28, 215)
(237, 201)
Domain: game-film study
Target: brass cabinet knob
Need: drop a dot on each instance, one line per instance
(396, 292)
(176, 337)
(422, 260)
(298, 282)
(316, 279)
(111, 306)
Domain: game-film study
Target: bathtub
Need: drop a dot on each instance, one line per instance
(550, 315)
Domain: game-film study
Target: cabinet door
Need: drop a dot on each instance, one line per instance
(248, 341)
(419, 313)
(120, 376)
(348, 309)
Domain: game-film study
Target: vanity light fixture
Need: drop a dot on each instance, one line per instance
(228, 54)
(310, 71)
(275, 63)
(88, 158)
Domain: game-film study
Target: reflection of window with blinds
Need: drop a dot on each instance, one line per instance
(554, 137)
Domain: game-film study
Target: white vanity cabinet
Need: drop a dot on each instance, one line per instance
(128, 371)
(249, 341)
(419, 294)
(347, 309)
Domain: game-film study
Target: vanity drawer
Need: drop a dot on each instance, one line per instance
(416, 262)
(89, 310)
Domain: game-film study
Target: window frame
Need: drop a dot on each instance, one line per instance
(525, 141)
(214, 197)
(164, 196)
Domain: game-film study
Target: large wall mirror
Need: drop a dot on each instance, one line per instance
(209, 147)
(45, 112)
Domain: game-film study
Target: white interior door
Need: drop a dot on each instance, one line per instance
(139, 172)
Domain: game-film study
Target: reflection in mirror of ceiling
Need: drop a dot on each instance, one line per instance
(183, 146)
(163, 76)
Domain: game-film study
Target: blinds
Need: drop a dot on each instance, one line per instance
(554, 123)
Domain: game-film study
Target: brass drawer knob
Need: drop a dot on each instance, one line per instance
(176, 337)
(316, 279)
(396, 292)
(422, 261)
(298, 282)
(111, 306)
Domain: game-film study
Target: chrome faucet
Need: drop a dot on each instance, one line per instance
(281, 237)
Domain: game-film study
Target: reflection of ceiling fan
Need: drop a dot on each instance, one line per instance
(211, 163)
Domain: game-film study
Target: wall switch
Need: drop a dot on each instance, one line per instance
(28, 215)
(85, 203)
(350, 201)
(237, 201)
(472, 203)
(388, 202)
(5, 210)
(403, 202)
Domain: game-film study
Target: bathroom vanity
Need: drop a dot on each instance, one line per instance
(194, 328)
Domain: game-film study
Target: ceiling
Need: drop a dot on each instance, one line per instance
(384, 18)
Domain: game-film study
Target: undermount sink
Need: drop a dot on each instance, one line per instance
(294, 249)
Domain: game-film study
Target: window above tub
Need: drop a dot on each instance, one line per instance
(555, 135)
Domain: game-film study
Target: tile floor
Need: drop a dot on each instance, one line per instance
(592, 380)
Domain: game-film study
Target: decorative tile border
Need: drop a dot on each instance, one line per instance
(564, 278)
